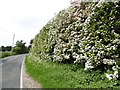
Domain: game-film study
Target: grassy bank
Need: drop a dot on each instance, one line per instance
(54, 75)
(6, 54)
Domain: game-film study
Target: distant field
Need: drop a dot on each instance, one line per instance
(53, 75)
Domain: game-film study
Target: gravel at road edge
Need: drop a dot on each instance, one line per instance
(28, 82)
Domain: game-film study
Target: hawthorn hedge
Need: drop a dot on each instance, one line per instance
(86, 33)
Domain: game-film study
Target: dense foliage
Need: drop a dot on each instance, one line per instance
(6, 54)
(20, 48)
(86, 33)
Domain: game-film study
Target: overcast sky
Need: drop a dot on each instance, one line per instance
(25, 18)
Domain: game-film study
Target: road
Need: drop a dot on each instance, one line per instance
(11, 70)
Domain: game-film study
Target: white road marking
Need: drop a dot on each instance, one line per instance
(21, 76)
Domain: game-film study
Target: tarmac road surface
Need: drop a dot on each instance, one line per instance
(11, 71)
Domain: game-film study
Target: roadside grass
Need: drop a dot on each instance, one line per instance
(6, 54)
(55, 75)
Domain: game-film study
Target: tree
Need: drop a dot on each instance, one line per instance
(2, 48)
(8, 48)
(29, 47)
(20, 48)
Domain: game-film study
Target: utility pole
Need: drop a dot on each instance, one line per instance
(13, 41)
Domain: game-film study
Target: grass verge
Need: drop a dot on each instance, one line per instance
(54, 75)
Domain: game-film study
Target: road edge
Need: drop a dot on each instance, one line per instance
(21, 75)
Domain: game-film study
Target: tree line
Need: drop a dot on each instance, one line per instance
(7, 48)
(19, 48)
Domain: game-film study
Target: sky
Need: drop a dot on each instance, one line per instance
(25, 18)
